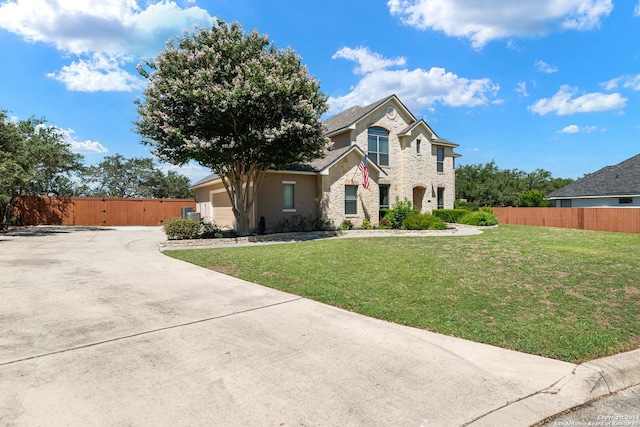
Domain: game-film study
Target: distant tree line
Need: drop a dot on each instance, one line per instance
(36, 160)
(488, 185)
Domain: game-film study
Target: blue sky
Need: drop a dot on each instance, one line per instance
(550, 84)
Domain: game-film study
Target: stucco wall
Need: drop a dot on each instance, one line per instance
(271, 198)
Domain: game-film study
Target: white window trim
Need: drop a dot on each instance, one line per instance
(294, 198)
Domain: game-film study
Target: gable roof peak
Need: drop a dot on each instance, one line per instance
(349, 117)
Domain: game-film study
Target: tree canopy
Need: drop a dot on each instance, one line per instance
(488, 185)
(234, 103)
(35, 159)
(117, 176)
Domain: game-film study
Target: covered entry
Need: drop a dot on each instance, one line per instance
(418, 197)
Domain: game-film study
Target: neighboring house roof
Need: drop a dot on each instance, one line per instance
(622, 179)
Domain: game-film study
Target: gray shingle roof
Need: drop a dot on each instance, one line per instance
(622, 179)
(351, 115)
(206, 179)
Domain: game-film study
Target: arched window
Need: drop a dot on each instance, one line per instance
(379, 145)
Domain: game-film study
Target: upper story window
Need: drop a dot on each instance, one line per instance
(379, 145)
(418, 146)
(440, 159)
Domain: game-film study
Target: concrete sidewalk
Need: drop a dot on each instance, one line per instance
(100, 328)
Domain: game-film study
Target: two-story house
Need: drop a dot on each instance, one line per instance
(406, 160)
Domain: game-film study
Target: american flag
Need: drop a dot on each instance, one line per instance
(365, 172)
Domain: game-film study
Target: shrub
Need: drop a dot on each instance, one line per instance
(346, 225)
(417, 221)
(532, 198)
(450, 215)
(463, 204)
(399, 212)
(209, 230)
(182, 228)
(295, 223)
(482, 218)
(366, 224)
(384, 224)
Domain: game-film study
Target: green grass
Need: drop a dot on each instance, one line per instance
(567, 294)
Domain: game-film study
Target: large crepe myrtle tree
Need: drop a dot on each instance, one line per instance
(232, 102)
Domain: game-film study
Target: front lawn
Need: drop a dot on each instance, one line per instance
(567, 294)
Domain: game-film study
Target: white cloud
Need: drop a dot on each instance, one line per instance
(545, 68)
(482, 22)
(367, 61)
(570, 129)
(83, 147)
(628, 81)
(98, 73)
(576, 129)
(118, 31)
(637, 9)
(521, 88)
(190, 170)
(563, 103)
(417, 88)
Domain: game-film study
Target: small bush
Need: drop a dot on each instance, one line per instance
(423, 222)
(450, 215)
(399, 212)
(481, 218)
(463, 204)
(295, 223)
(182, 229)
(346, 225)
(209, 230)
(366, 224)
(384, 224)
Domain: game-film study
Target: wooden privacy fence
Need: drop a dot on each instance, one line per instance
(626, 220)
(38, 210)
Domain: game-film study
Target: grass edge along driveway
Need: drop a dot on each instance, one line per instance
(567, 294)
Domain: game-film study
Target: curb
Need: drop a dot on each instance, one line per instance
(457, 230)
(589, 381)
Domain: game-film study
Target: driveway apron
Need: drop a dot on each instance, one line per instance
(100, 328)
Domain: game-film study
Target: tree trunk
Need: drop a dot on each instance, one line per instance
(242, 184)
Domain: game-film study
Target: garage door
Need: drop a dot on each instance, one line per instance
(222, 212)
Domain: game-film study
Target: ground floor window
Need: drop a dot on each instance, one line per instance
(288, 196)
(384, 196)
(565, 203)
(350, 199)
(440, 197)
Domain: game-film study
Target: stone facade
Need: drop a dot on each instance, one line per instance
(412, 172)
(411, 175)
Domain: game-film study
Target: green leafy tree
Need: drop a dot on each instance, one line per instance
(234, 103)
(532, 199)
(488, 185)
(172, 186)
(35, 159)
(117, 176)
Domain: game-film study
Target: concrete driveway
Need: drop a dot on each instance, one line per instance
(99, 328)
